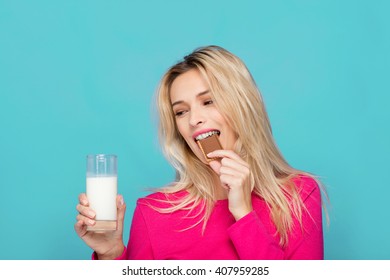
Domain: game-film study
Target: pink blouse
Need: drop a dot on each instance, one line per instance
(155, 235)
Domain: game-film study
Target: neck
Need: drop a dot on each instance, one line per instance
(222, 195)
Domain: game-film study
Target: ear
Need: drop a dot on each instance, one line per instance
(215, 165)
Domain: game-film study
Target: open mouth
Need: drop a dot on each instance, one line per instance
(207, 134)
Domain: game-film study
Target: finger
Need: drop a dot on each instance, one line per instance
(236, 170)
(228, 171)
(85, 211)
(230, 181)
(121, 206)
(215, 165)
(236, 181)
(225, 154)
(80, 228)
(85, 220)
(83, 199)
(234, 163)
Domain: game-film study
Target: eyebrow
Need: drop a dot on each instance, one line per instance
(198, 95)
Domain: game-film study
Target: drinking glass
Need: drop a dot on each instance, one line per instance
(102, 190)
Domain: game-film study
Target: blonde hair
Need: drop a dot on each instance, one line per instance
(238, 99)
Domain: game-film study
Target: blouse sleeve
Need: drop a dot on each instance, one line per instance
(252, 240)
(307, 242)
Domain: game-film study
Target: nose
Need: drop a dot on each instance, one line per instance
(196, 117)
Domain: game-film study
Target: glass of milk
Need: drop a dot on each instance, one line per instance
(102, 190)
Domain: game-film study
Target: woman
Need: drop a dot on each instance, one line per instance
(241, 201)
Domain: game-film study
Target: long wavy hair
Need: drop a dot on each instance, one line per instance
(238, 99)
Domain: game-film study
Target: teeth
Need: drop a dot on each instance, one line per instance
(205, 135)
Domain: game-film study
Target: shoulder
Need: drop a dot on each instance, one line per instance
(306, 186)
(161, 199)
(158, 208)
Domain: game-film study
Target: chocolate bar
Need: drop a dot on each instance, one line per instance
(209, 145)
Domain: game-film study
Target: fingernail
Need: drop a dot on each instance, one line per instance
(84, 202)
(121, 201)
(91, 222)
(91, 213)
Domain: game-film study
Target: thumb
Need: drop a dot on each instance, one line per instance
(121, 206)
(215, 165)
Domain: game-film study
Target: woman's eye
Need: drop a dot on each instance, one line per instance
(179, 113)
(208, 102)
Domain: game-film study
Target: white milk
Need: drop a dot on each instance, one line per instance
(101, 193)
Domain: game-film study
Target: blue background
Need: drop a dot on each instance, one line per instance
(78, 77)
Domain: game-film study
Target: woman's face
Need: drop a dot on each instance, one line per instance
(196, 113)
